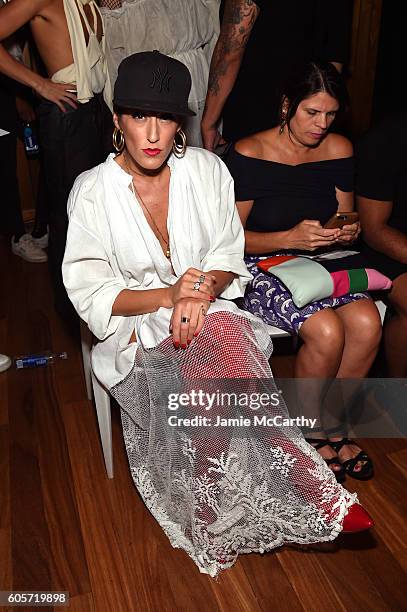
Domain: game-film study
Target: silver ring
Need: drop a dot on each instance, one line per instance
(197, 286)
(185, 319)
(202, 278)
(203, 312)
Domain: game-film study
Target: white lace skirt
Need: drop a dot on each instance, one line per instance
(242, 486)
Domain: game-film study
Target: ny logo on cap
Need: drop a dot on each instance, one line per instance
(161, 79)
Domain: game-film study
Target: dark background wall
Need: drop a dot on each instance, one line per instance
(391, 73)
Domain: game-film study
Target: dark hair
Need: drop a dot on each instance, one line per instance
(310, 78)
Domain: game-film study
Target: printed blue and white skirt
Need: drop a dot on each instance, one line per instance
(268, 298)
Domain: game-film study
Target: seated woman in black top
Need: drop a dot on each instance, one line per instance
(289, 181)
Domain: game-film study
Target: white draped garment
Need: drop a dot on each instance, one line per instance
(111, 247)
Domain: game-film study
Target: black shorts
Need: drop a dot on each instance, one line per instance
(384, 264)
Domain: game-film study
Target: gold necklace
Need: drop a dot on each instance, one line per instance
(138, 196)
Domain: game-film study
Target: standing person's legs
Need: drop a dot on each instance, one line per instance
(11, 216)
(72, 144)
(56, 148)
(40, 231)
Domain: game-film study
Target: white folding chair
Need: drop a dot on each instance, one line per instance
(381, 307)
(275, 332)
(102, 399)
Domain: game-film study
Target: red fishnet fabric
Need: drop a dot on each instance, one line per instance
(218, 492)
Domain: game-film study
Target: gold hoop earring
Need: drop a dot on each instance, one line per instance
(179, 149)
(118, 139)
(283, 122)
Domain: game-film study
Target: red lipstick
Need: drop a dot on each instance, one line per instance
(152, 152)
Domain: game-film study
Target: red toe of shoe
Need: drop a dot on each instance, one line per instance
(357, 519)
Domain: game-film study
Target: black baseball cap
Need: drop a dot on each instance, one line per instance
(153, 82)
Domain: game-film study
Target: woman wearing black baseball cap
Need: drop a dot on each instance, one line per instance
(154, 258)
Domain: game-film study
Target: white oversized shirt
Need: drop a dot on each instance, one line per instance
(111, 247)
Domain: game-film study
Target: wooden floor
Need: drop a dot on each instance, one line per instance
(65, 526)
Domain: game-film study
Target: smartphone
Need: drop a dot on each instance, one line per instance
(338, 220)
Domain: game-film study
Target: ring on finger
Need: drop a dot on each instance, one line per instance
(203, 311)
(185, 319)
(202, 278)
(197, 286)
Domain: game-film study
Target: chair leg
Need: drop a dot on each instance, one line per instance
(86, 343)
(102, 402)
(381, 307)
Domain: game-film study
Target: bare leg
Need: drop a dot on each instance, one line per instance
(362, 325)
(363, 331)
(319, 358)
(395, 330)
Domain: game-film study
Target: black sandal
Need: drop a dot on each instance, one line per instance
(318, 443)
(366, 472)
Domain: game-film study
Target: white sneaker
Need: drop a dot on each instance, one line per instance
(5, 363)
(42, 242)
(28, 250)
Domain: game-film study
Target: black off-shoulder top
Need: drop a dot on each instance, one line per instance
(285, 195)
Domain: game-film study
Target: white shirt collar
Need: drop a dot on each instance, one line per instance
(124, 176)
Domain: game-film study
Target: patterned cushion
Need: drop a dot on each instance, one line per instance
(309, 280)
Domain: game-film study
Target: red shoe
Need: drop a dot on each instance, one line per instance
(357, 519)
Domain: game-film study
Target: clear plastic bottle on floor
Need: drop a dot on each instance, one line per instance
(39, 359)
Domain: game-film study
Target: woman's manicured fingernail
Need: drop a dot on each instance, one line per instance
(184, 346)
(176, 344)
(189, 341)
(195, 334)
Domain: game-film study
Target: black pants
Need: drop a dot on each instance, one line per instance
(72, 142)
(10, 213)
(41, 205)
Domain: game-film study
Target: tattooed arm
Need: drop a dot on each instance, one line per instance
(238, 20)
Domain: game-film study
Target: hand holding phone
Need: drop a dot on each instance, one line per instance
(309, 235)
(338, 220)
(350, 227)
